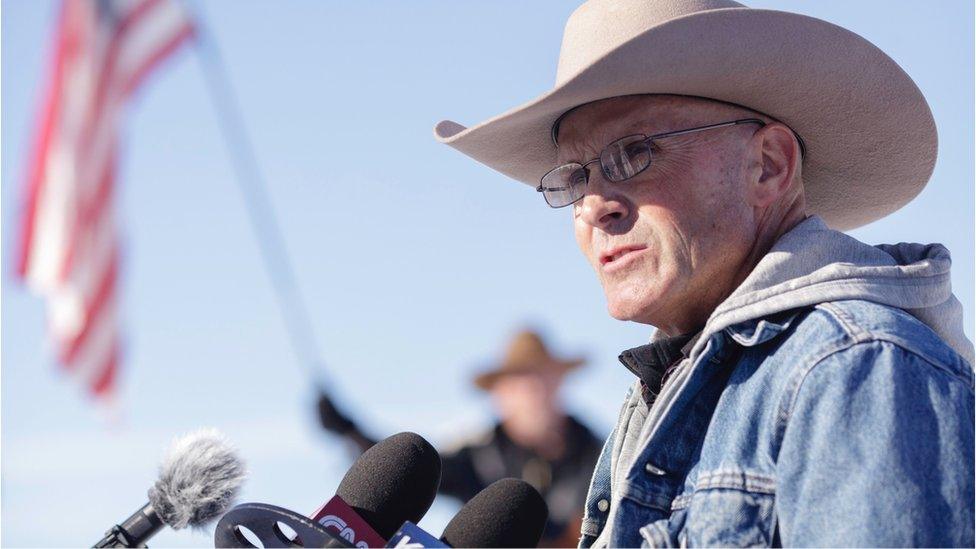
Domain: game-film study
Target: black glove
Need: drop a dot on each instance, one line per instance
(331, 418)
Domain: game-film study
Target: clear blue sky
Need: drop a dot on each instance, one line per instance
(416, 262)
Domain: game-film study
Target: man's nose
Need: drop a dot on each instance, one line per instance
(602, 208)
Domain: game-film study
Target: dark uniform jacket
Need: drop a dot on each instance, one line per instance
(563, 482)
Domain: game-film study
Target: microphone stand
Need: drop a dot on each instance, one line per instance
(135, 530)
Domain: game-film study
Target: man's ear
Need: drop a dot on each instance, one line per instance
(780, 161)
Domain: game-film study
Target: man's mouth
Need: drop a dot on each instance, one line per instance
(615, 255)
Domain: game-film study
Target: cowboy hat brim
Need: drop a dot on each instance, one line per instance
(485, 380)
(870, 138)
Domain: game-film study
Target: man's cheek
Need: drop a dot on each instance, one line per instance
(583, 243)
(590, 253)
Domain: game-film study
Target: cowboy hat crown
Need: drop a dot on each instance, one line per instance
(870, 139)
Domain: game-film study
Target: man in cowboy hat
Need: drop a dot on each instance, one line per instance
(534, 439)
(802, 388)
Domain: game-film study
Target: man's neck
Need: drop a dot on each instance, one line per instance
(772, 226)
(773, 223)
(769, 230)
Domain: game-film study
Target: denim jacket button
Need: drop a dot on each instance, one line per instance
(650, 468)
(603, 505)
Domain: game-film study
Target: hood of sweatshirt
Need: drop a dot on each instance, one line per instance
(814, 264)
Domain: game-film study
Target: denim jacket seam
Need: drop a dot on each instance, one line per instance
(938, 365)
(846, 322)
(793, 391)
(737, 480)
(866, 336)
(861, 335)
(661, 502)
(752, 483)
(593, 522)
(935, 363)
(854, 335)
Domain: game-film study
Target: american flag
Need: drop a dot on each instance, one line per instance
(69, 241)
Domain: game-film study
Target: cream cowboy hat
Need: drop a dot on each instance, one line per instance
(526, 353)
(870, 140)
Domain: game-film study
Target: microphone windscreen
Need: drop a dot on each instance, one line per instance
(508, 513)
(198, 481)
(393, 482)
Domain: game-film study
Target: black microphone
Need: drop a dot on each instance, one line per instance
(198, 481)
(393, 482)
(508, 513)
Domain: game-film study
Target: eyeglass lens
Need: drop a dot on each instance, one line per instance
(620, 160)
(625, 158)
(564, 185)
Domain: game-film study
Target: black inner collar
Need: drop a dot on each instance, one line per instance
(653, 362)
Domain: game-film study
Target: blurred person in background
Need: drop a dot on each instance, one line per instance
(534, 438)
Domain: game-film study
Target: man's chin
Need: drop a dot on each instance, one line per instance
(642, 301)
(630, 312)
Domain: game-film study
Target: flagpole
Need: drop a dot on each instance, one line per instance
(254, 190)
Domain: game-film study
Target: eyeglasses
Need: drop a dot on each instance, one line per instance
(620, 161)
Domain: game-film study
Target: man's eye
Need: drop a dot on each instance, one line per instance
(635, 149)
(578, 177)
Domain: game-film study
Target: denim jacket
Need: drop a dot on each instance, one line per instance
(828, 402)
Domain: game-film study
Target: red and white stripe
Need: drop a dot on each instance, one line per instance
(69, 239)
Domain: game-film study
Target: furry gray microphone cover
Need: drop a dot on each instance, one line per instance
(198, 481)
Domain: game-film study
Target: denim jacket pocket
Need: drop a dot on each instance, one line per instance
(658, 534)
(731, 508)
(726, 509)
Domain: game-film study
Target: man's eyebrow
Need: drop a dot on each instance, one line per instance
(656, 125)
(572, 150)
(640, 126)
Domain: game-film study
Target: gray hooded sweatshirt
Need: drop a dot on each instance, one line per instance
(814, 264)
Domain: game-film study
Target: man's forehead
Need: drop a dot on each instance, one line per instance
(593, 125)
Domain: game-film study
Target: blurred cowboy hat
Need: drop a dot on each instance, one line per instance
(870, 140)
(527, 353)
